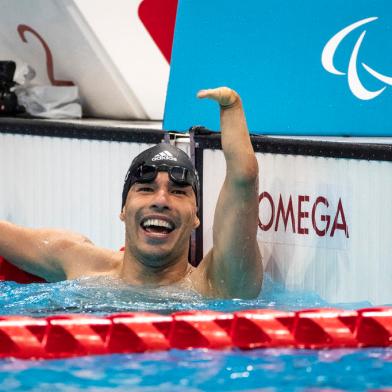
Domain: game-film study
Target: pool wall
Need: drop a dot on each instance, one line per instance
(325, 219)
(69, 182)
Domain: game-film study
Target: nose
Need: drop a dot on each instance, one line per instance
(161, 200)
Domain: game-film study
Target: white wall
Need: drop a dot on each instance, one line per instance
(65, 183)
(339, 268)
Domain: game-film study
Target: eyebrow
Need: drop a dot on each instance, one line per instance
(175, 184)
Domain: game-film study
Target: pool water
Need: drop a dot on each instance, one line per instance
(198, 370)
(100, 296)
(175, 370)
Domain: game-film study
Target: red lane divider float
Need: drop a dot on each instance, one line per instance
(10, 272)
(77, 335)
(196, 329)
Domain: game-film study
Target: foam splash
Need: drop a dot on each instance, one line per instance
(104, 295)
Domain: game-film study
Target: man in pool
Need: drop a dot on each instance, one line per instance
(159, 210)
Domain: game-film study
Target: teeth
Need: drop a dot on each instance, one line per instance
(158, 223)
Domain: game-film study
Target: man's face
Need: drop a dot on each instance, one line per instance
(159, 217)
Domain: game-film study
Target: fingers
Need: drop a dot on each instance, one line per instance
(223, 95)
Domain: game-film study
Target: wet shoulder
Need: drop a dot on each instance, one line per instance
(199, 280)
(91, 260)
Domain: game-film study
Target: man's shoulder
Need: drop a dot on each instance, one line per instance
(79, 256)
(200, 279)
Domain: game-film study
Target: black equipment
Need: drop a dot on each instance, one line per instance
(8, 99)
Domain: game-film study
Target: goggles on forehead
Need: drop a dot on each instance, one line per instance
(177, 174)
(145, 172)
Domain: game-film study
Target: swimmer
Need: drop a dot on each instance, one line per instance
(159, 210)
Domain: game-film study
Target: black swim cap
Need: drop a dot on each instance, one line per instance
(162, 157)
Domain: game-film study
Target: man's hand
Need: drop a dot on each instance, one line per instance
(226, 97)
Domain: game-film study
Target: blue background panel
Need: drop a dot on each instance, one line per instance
(270, 52)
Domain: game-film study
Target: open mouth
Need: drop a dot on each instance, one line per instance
(157, 226)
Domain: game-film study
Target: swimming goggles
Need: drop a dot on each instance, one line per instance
(177, 174)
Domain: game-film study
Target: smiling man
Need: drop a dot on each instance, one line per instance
(159, 210)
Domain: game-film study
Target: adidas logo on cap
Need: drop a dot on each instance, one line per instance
(164, 156)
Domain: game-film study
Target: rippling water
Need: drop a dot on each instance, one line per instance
(201, 370)
(104, 295)
(196, 370)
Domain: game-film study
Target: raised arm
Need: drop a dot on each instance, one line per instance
(233, 268)
(47, 253)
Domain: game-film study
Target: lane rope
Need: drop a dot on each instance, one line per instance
(63, 336)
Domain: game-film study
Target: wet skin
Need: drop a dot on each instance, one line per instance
(159, 218)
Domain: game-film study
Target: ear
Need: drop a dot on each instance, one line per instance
(122, 215)
(196, 223)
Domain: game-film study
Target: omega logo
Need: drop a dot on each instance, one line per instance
(354, 82)
(305, 217)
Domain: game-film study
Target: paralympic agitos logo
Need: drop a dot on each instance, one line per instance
(302, 215)
(354, 82)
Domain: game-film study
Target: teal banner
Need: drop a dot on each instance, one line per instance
(302, 67)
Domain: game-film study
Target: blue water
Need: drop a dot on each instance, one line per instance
(197, 370)
(100, 296)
